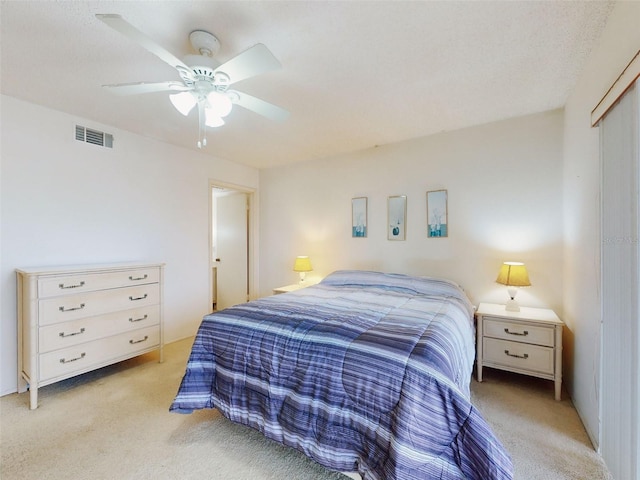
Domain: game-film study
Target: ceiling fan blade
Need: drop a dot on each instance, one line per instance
(121, 25)
(143, 87)
(253, 61)
(258, 106)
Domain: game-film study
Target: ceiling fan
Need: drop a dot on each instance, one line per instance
(204, 81)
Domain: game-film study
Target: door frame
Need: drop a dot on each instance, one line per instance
(252, 246)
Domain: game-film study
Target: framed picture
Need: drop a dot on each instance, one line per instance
(359, 217)
(437, 216)
(397, 217)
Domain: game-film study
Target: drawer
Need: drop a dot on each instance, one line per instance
(522, 356)
(90, 355)
(74, 332)
(519, 332)
(90, 304)
(72, 284)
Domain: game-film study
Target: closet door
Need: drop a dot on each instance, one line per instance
(620, 388)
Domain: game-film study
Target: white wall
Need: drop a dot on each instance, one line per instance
(504, 182)
(65, 202)
(619, 43)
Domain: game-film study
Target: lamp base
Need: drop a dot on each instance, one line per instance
(512, 306)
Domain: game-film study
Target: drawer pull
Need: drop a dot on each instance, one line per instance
(146, 337)
(64, 335)
(525, 356)
(132, 320)
(64, 360)
(523, 334)
(63, 286)
(63, 309)
(133, 299)
(138, 278)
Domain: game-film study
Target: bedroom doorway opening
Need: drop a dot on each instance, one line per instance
(230, 250)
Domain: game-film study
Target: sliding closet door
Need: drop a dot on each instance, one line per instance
(620, 389)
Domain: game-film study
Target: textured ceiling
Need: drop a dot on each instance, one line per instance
(355, 73)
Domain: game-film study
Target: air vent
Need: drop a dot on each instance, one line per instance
(94, 137)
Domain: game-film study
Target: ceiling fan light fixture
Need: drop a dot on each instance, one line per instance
(205, 81)
(183, 101)
(212, 119)
(219, 103)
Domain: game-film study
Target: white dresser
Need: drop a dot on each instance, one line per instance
(75, 319)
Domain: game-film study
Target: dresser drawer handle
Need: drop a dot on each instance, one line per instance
(63, 309)
(525, 356)
(64, 360)
(64, 335)
(63, 286)
(523, 334)
(133, 299)
(138, 278)
(132, 320)
(132, 342)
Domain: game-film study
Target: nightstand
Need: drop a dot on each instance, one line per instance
(527, 342)
(288, 288)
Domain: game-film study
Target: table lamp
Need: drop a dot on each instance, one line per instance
(513, 275)
(302, 265)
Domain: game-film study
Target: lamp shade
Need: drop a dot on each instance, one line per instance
(302, 264)
(219, 103)
(211, 119)
(513, 274)
(183, 102)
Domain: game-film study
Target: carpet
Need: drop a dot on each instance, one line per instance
(114, 423)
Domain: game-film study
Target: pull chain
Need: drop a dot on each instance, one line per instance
(202, 128)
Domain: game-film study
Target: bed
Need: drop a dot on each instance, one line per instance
(364, 372)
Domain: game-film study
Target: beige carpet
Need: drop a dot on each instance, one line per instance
(114, 424)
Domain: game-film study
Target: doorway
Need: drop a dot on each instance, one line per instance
(230, 242)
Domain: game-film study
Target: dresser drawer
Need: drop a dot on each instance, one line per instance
(72, 307)
(90, 355)
(72, 284)
(519, 332)
(74, 332)
(518, 355)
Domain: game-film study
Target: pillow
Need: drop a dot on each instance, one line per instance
(398, 282)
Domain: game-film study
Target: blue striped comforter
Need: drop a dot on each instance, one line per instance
(364, 372)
